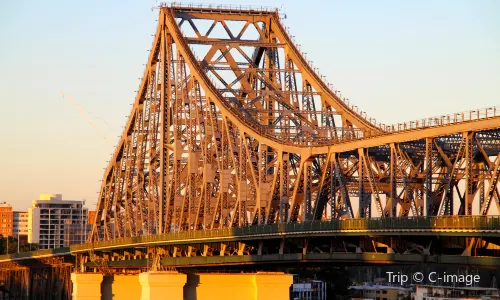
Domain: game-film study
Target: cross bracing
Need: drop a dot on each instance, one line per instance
(232, 127)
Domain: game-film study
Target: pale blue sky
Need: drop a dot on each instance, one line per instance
(397, 60)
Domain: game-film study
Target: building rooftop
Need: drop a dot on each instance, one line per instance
(56, 199)
(468, 288)
(50, 197)
(379, 287)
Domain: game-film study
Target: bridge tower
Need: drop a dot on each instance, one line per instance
(232, 126)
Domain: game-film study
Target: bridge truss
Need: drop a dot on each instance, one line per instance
(232, 126)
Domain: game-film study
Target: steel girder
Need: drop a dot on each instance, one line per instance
(234, 128)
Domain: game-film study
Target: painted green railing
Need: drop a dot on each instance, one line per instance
(451, 223)
(446, 223)
(35, 254)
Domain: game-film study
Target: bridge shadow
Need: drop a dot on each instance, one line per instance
(120, 286)
(193, 281)
(107, 288)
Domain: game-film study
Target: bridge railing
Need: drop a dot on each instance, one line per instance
(444, 120)
(34, 254)
(303, 135)
(324, 135)
(424, 224)
(187, 5)
(467, 116)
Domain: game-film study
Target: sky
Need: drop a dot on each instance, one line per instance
(396, 60)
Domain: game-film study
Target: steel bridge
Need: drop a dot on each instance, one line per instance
(237, 151)
(232, 127)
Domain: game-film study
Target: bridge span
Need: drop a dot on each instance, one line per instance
(243, 131)
(418, 241)
(238, 155)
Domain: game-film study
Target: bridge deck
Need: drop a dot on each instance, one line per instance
(410, 134)
(37, 254)
(469, 226)
(463, 226)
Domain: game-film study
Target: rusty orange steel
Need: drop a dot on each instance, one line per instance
(232, 126)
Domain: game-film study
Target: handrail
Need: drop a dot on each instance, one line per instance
(35, 254)
(443, 120)
(187, 5)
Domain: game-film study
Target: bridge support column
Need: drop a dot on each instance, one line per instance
(258, 286)
(86, 286)
(162, 285)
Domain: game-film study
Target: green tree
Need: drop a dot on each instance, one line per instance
(29, 247)
(12, 244)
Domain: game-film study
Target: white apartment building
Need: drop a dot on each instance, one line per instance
(21, 223)
(48, 216)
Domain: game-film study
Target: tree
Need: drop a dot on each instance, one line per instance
(12, 244)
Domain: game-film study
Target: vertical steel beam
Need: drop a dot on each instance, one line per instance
(363, 211)
(429, 199)
(469, 193)
(163, 132)
(264, 192)
(308, 190)
(492, 187)
(342, 181)
(481, 192)
(333, 188)
(393, 202)
(284, 204)
(242, 186)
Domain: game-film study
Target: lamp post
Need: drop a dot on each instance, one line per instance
(82, 225)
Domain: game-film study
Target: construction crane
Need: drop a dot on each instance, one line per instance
(85, 116)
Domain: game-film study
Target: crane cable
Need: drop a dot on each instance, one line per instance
(99, 262)
(85, 116)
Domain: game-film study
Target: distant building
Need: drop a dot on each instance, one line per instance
(6, 220)
(20, 225)
(76, 233)
(313, 289)
(47, 219)
(432, 292)
(379, 291)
